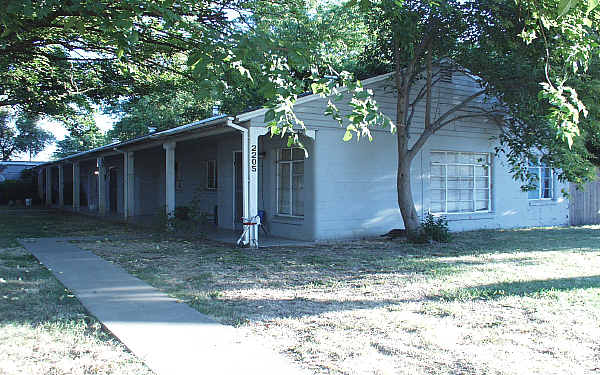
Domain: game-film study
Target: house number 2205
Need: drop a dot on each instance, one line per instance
(253, 158)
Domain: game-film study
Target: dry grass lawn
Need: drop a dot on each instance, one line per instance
(491, 302)
(44, 330)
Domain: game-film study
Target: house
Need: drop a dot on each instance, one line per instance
(232, 168)
(11, 170)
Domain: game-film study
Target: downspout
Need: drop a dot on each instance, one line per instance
(245, 170)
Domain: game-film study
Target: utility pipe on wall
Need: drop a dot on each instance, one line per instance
(245, 200)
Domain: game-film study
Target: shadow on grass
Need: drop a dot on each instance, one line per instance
(240, 311)
(27, 223)
(582, 239)
(533, 288)
(29, 293)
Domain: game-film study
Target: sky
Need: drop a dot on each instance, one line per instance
(103, 121)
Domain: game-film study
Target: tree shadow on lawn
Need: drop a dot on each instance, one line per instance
(240, 310)
(481, 242)
(26, 223)
(533, 288)
(30, 295)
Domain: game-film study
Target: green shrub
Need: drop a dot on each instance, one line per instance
(432, 229)
(182, 212)
(436, 228)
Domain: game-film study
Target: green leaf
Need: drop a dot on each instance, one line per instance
(270, 115)
(592, 4)
(347, 136)
(565, 6)
(134, 37)
(194, 58)
(315, 87)
(361, 95)
(364, 5)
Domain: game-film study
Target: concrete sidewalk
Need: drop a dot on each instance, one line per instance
(170, 337)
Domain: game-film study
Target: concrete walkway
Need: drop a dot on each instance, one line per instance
(170, 337)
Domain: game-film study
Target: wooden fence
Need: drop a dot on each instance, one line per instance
(584, 206)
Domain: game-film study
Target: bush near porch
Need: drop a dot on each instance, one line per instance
(499, 302)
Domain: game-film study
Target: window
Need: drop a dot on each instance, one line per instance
(290, 182)
(460, 182)
(543, 182)
(211, 175)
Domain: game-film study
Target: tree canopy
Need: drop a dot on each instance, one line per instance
(160, 63)
(23, 136)
(527, 84)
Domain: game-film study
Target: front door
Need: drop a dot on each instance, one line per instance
(238, 188)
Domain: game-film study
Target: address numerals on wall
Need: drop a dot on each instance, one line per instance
(253, 158)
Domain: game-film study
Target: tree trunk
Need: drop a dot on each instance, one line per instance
(405, 197)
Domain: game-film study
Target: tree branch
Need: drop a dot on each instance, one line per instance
(436, 124)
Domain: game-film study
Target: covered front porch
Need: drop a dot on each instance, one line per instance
(214, 169)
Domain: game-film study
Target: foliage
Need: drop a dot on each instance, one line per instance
(83, 135)
(57, 54)
(32, 139)
(26, 136)
(484, 40)
(8, 137)
(431, 229)
(568, 30)
(182, 212)
(17, 190)
(436, 228)
(514, 68)
(169, 104)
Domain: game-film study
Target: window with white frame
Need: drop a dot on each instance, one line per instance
(460, 182)
(290, 182)
(543, 181)
(211, 175)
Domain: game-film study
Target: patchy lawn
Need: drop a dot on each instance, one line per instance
(43, 328)
(495, 302)
(35, 223)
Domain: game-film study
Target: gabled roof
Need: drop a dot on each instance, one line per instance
(242, 117)
(308, 98)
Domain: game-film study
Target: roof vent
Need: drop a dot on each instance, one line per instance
(446, 73)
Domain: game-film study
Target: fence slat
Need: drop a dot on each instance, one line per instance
(584, 207)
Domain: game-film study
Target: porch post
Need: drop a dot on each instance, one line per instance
(49, 186)
(61, 185)
(101, 186)
(170, 178)
(253, 134)
(128, 185)
(76, 186)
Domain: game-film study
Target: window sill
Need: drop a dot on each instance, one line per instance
(543, 202)
(468, 216)
(291, 220)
